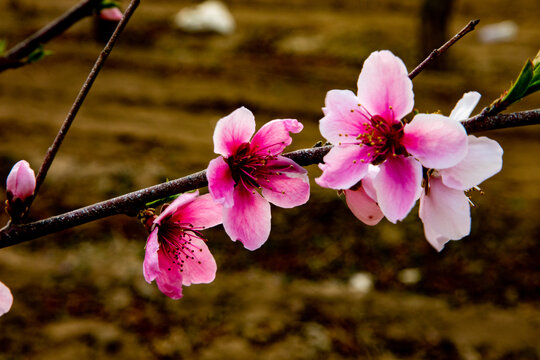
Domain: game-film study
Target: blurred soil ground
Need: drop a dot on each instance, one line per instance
(150, 117)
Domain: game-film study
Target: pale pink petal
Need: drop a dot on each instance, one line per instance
(232, 131)
(384, 87)
(398, 186)
(202, 269)
(169, 280)
(111, 14)
(343, 119)
(287, 184)
(445, 213)
(151, 263)
(343, 167)
(202, 212)
(21, 181)
(220, 182)
(437, 141)
(274, 136)
(6, 299)
(483, 160)
(249, 220)
(465, 106)
(367, 181)
(173, 207)
(363, 206)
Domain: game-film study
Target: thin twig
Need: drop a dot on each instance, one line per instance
(131, 203)
(53, 149)
(14, 57)
(437, 52)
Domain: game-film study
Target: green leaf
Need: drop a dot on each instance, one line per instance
(519, 88)
(107, 4)
(38, 54)
(164, 200)
(3, 44)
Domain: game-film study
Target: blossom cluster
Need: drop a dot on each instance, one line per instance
(381, 159)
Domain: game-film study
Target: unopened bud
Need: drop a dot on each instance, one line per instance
(20, 186)
(111, 14)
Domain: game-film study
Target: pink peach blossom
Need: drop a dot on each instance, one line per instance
(249, 175)
(444, 206)
(176, 252)
(6, 299)
(111, 14)
(21, 182)
(368, 128)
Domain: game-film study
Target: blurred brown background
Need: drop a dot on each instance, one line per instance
(150, 116)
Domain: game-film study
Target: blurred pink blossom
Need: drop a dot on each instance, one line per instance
(6, 299)
(111, 14)
(251, 174)
(444, 207)
(367, 128)
(176, 252)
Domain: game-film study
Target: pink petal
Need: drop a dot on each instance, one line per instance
(398, 186)
(220, 182)
(465, 106)
(367, 181)
(173, 207)
(290, 187)
(384, 87)
(6, 299)
(111, 14)
(445, 213)
(202, 269)
(363, 206)
(151, 263)
(274, 136)
(249, 219)
(343, 117)
(169, 280)
(343, 167)
(202, 212)
(436, 141)
(21, 181)
(232, 131)
(483, 160)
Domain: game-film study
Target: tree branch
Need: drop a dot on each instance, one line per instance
(437, 52)
(14, 57)
(131, 203)
(53, 149)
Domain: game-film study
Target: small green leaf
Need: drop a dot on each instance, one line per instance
(3, 44)
(164, 200)
(519, 88)
(38, 54)
(107, 4)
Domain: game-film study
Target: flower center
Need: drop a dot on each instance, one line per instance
(248, 167)
(176, 242)
(383, 138)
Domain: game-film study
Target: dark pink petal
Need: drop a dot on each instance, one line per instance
(363, 206)
(343, 118)
(436, 141)
(220, 181)
(384, 87)
(6, 299)
(248, 221)
(483, 160)
(446, 214)
(173, 207)
(274, 136)
(202, 269)
(398, 186)
(232, 131)
(169, 280)
(287, 185)
(201, 213)
(151, 263)
(343, 167)
(21, 181)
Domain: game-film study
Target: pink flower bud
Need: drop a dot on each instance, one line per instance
(21, 182)
(111, 14)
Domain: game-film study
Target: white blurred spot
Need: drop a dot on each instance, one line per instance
(498, 32)
(410, 276)
(361, 282)
(209, 16)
